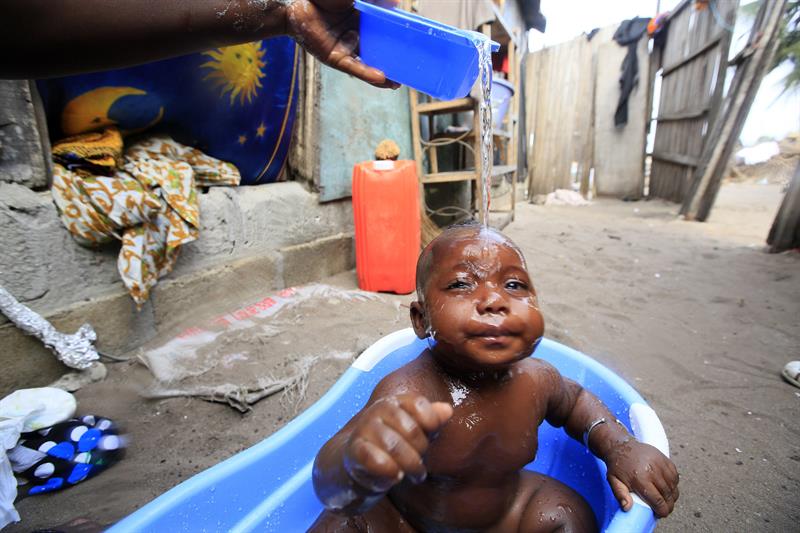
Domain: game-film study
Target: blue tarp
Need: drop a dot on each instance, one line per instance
(235, 103)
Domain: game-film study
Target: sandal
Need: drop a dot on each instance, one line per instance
(791, 373)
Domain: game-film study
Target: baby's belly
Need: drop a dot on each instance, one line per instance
(445, 505)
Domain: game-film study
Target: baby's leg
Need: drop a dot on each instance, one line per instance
(382, 517)
(544, 504)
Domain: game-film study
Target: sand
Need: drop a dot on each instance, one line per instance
(696, 316)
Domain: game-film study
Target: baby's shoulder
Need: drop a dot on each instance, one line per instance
(413, 377)
(538, 369)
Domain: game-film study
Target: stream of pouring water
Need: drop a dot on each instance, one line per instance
(484, 47)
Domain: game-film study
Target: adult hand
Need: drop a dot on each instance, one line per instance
(328, 30)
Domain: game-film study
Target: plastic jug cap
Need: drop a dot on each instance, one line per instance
(386, 164)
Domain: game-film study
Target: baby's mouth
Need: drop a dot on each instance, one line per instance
(491, 332)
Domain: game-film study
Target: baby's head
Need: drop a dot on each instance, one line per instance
(469, 232)
(476, 299)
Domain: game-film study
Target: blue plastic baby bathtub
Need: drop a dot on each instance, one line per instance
(268, 487)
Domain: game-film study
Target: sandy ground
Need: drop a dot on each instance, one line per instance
(696, 316)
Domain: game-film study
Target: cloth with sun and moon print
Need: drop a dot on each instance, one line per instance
(235, 103)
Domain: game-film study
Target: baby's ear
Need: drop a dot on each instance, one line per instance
(418, 320)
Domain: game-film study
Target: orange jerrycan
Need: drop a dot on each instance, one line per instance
(386, 212)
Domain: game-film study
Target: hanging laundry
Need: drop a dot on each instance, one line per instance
(149, 202)
(628, 34)
(657, 24)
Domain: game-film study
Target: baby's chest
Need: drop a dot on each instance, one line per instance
(488, 433)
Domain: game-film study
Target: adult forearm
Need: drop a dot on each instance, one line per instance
(45, 38)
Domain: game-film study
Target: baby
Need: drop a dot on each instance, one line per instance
(442, 441)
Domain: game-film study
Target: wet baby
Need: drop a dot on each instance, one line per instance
(442, 441)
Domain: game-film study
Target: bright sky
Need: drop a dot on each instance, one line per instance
(568, 18)
(772, 114)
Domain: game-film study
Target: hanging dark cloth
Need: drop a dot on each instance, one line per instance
(628, 34)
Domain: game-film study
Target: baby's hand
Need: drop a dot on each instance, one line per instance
(390, 438)
(641, 468)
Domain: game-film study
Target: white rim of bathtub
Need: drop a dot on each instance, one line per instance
(382, 348)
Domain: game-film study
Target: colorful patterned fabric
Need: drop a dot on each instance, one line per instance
(70, 451)
(150, 204)
(235, 103)
(97, 153)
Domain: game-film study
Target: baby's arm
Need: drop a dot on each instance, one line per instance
(632, 465)
(381, 445)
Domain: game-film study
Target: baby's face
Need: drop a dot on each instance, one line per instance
(479, 301)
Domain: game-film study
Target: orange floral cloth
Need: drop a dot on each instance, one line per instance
(149, 203)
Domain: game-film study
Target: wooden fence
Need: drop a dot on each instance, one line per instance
(693, 66)
(572, 93)
(559, 115)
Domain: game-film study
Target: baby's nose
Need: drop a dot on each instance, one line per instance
(492, 301)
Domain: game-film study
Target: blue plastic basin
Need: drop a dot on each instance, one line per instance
(434, 58)
(268, 487)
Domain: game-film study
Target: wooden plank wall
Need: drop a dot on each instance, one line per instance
(619, 151)
(785, 231)
(572, 90)
(693, 62)
(304, 148)
(559, 114)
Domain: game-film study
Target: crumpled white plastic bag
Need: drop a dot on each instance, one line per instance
(22, 411)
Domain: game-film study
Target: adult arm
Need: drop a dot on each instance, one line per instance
(46, 38)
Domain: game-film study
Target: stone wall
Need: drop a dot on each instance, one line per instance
(23, 136)
(263, 237)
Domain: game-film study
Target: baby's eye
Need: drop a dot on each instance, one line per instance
(516, 285)
(458, 284)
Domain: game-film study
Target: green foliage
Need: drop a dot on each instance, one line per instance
(789, 40)
(789, 45)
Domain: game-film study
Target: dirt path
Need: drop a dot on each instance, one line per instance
(700, 320)
(696, 316)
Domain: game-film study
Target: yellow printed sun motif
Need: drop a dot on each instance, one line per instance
(237, 69)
